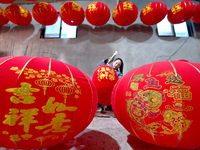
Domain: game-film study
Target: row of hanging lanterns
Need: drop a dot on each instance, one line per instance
(98, 13)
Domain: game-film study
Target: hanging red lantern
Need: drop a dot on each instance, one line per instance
(97, 13)
(3, 19)
(159, 102)
(72, 13)
(153, 13)
(196, 17)
(18, 15)
(104, 78)
(6, 1)
(125, 13)
(45, 102)
(44, 13)
(181, 12)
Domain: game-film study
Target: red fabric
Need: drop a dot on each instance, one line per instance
(6, 1)
(104, 78)
(44, 13)
(196, 17)
(3, 18)
(125, 13)
(153, 13)
(181, 12)
(72, 13)
(159, 103)
(45, 102)
(97, 13)
(18, 15)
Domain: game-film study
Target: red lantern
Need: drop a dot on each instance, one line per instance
(97, 13)
(159, 102)
(181, 12)
(153, 13)
(72, 13)
(45, 102)
(196, 17)
(125, 13)
(104, 78)
(44, 13)
(6, 1)
(3, 19)
(18, 15)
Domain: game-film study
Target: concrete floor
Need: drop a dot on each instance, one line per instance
(105, 133)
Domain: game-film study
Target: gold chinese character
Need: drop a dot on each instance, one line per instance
(51, 107)
(138, 77)
(24, 94)
(152, 83)
(180, 93)
(134, 86)
(56, 123)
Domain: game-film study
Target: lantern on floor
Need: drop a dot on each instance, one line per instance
(196, 17)
(104, 78)
(97, 13)
(44, 13)
(125, 13)
(3, 19)
(72, 13)
(153, 13)
(181, 12)
(6, 1)
(159, 102)
(45, 102)
(18, 15)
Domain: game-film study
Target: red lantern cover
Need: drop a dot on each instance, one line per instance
(125, 13)
(97, 13)
(44, 13)
(6, 1)
(72, 13)
(181, 12)
(3, 19)
(159, 102)
(45, 102)
(196, 17)
(104, 78)
(153, 13)
(18, 15)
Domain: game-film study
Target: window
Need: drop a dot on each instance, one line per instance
(59, 30)
(165, 28)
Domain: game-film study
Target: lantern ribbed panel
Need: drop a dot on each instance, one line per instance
(3, 19)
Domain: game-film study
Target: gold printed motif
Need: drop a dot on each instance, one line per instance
(138, 77)
(92, 7)
(105, 73)
(26, 117)
(180, 92)
(176, 8)
(23, 12)
(76, 7)
(134, 86)
(26, 136)
(24, 94)
(152, 83)
(51, 107)
(56, 123)
(127, 6)
(147, 9)
(45, 83)
(176, 120)
(174, 79)
(15, 138)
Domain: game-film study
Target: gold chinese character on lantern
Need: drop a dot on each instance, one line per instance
(76, 7)
(127, 6)
(176, 8)
(105, 73)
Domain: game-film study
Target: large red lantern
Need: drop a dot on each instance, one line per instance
(18, 15)
(3, 19)
(44, 13)
(153, 13)
(72, 13)
(159, 102)
(104, 78)
(196, 17)
(125, 13)
(45, 102)
(97, 13)
(181, 12)
(6, 1)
